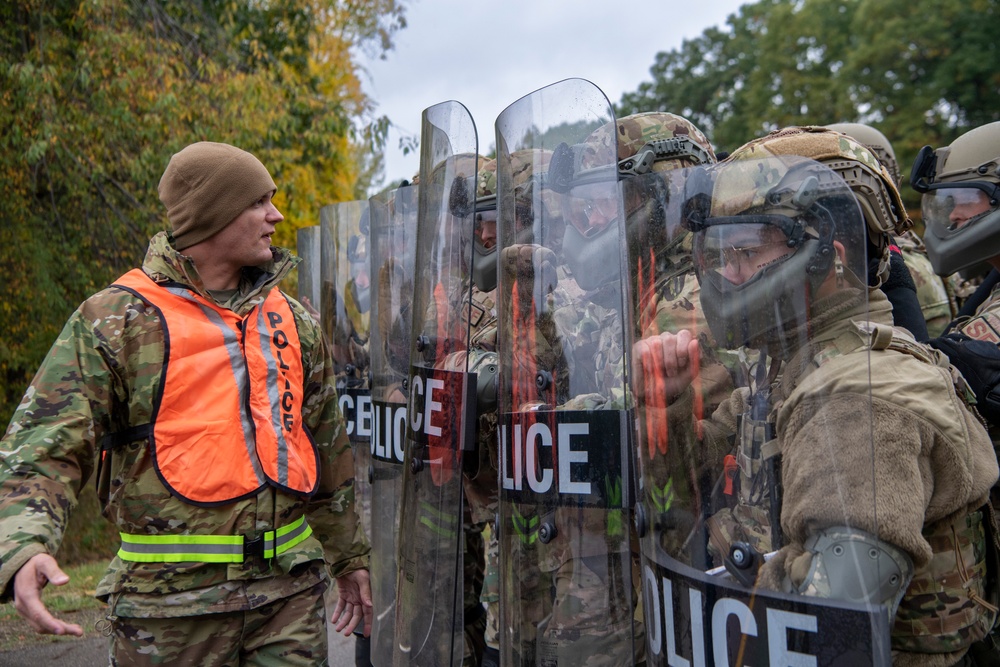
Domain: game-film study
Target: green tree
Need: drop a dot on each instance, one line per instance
(922, 71)
(96, 96)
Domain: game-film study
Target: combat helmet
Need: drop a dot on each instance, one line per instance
(637, 145)
(874, 141)
(960, 205)
(764, 199)
(867, 177)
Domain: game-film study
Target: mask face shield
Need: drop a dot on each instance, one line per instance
(776, 236)
(737, 253)
(484, 250)
(591, 243)
(951, 210)
(592, 207)
(962, 221)
(486, 229)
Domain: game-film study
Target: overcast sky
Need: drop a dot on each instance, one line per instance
(486, 55)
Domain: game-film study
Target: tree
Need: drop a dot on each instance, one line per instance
(922, 71)
(96, 96)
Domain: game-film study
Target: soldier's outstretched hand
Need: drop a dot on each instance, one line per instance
(39, 571)
(666, 364)
(354, 603)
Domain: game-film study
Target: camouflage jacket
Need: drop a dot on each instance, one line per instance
(897, 413)
(102, 376)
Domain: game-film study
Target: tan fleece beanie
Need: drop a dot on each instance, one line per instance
(206, 185)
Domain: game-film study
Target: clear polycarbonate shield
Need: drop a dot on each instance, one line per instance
(742, 355)
(567, 592)
(393, 233)
(307, 246)
(346, 286)
(961, 224)
(345, 298)
(441, 401)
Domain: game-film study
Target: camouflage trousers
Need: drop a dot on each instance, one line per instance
(490, 597)
(473, 564)
(591, 623)
(481, 501)
(290, 631)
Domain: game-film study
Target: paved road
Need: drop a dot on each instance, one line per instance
(93, 652)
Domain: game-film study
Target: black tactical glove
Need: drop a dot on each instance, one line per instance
(902, 293)
(979, 362)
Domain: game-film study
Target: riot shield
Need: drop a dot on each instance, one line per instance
(567, 593)
(346, 306)
(393, 216)
(307, 245)
(441, 401)
(746, 472)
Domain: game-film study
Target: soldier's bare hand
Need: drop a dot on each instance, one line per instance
(354, 603)
(671, 358)
(39, 571)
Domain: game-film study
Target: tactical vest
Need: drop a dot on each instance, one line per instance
(227, 417)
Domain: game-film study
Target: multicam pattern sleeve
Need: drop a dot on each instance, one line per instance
(100, 377)
(48, 452)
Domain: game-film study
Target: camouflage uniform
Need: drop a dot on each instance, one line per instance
(101, 377)
(591, 607)
(481, 488)
(922, 414)
(896, 473)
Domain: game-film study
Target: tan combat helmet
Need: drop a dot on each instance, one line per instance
(765, 195)
(636, 145)
(874, 141)
(961, 195)
(869, 180)
(648, 141)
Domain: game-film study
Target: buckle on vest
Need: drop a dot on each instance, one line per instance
(252, 548)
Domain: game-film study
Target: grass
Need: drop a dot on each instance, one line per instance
(73, 602)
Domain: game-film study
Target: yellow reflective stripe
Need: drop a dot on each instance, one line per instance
(181, 548)
(287, 537)
(208, 548)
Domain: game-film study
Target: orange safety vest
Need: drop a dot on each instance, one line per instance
(227, 417)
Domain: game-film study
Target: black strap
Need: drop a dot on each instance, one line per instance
(109, 443)
(120, 438)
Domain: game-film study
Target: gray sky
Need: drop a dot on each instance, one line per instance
(486, 55)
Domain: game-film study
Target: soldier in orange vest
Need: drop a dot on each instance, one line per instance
(203, 401)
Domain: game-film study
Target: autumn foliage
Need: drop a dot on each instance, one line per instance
(95, 96)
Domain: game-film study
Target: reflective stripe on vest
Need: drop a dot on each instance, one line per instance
(228, 412)
(209, 548)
